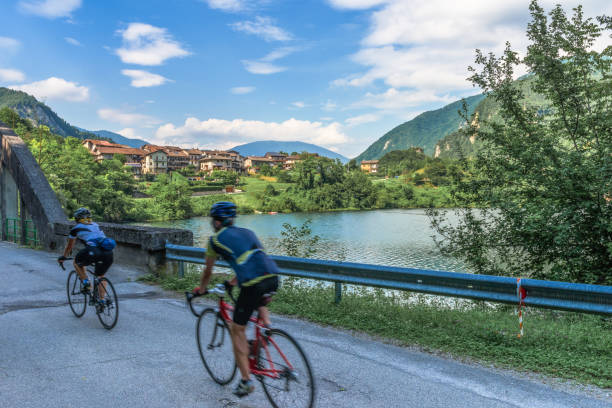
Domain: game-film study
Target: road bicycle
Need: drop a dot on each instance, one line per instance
(275, 359)
(107, 306)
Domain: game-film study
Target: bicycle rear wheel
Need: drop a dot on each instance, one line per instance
(76, 298)
(287, 379)
(108, 312)
(215, 346)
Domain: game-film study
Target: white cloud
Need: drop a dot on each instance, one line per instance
(227, 5)
(241, 90)
(72, 41)
(355, 4)
(144, 79)
(8, 43)
(426, 45)
(299, 104)
(49, 8)
(262, 68)
(144, 44)
(11, 75)
(396, 100)
(55, 88)
(362, 119)
(218, 131)
(129, 133)
(127, 118)
(329, 106)
(262, 27)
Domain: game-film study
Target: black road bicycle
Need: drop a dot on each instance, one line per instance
(107, 306)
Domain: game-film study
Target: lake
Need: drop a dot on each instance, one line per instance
(385, 237)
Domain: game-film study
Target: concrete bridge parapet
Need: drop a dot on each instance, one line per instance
(143, 247)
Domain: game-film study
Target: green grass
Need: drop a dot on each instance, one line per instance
(559, 344)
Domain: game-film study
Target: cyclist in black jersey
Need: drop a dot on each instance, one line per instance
(98, 248)
(256, 275)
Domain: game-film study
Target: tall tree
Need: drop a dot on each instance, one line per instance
(543, 180)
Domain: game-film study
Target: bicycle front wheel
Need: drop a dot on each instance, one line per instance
(215, 346)
(286, 374)
(77, 299)
(107, 306)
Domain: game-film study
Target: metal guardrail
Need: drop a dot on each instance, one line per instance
(14, 231)
(575, 297)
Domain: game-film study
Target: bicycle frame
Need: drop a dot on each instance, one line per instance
(260, 341)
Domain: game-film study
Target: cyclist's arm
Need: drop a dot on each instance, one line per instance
(205, 279)
(69, 247)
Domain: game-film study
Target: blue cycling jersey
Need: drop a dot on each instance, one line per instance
(243, 251)
(88, 234)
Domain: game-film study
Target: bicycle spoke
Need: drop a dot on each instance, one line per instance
(215, 346)
(107, 307)
(76, 298)
(287, 378)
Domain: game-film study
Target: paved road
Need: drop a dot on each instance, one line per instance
(49, 358)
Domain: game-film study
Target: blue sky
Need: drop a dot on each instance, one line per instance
(217, 73)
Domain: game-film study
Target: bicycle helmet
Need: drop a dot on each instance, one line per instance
(223, 209)
(82, 213)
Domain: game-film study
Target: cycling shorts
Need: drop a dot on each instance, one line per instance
(251, 297)
(101, 259)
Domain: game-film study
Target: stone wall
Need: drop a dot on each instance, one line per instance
(143, 247)
(37, 197)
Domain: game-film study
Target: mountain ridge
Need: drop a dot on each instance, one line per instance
(424, 131)
(260, 148)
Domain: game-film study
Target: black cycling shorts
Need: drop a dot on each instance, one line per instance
(250, 298)
(101, 259)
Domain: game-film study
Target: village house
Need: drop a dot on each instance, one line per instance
(217, 162)
(369, 166)
(195, 155)
(104, 150)
(155, 162)
(253, 164)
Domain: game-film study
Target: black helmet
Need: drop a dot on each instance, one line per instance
(82, 213)
(223, 210)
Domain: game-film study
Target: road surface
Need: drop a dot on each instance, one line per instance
(49, 358)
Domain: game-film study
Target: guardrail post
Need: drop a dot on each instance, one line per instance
(338, 292)
(181, 269)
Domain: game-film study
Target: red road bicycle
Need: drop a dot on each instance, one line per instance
(275, 359)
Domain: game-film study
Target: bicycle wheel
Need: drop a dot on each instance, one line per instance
(215, 346)
(108, 313)
(76, 298)
(287, 379)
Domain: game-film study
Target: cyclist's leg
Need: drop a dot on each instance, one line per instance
(83, 258)
(103, 261)
(267, 286)
(245, 305)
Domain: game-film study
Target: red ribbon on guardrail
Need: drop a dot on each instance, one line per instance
(521, 293)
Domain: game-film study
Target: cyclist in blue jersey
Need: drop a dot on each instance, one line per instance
(256, 275)
(98, 249)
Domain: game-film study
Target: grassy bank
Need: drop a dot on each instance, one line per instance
(559, 344)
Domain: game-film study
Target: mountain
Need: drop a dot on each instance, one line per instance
(117, 138)
(28, 107)
(422, 131)
(261, 148)
(456, 144)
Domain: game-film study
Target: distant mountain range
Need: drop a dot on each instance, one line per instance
(423, 131)
(261, 148)
(28, 107)
(117, 138)
(437, 131)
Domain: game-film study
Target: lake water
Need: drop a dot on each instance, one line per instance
(384, 237)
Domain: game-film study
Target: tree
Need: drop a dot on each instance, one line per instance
(543, 179)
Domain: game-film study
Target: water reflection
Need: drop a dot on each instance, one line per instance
(384, 237)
